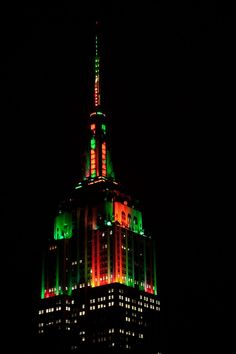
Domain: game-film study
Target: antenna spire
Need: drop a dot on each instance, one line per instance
(97, 92)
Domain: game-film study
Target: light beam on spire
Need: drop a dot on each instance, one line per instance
(97, 95)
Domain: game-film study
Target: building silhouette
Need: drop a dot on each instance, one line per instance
(99, 288)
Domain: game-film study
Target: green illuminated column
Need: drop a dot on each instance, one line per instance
(57, 271)
(127, 282)
(132, 250)
(77, 247)
(110, 171)
(69, 269)
(154, 268)
(108, 257)
(86, 245)
(43, 278)
(144, 264)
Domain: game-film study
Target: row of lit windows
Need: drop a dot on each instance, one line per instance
(145, 298)
(51, 309)
(103, 234)
(52, 290)
(128, 319)
(82, 333)
(122, 304)
(52, 322)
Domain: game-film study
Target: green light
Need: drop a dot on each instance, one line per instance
(145, 263)
(93, 143)
(154, 268)
(126, 261)
(110, 171)
(57, 273)
(108, 211)
(63, 226)
(104, 128)
(43, 281)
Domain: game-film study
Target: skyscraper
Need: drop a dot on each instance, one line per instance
(99, 277)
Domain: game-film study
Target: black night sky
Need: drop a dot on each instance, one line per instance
(155, 60)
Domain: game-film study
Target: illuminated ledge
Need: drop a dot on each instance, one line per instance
(97, 114)
(93, 181)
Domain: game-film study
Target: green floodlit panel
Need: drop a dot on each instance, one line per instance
(57, 274)
(70, 290)
(63, 226)
(87, 165)
(137, 220)
(108, 211)
(127, 282)
(100, 113)
(132, 260)
(43, 280)
(110, 171)
(145, 264)
(154, 268)
(93, 143)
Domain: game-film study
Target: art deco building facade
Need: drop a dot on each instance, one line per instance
(99, 278)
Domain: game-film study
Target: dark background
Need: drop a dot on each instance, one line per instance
(160, 68)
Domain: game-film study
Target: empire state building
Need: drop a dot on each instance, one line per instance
(99, 289)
